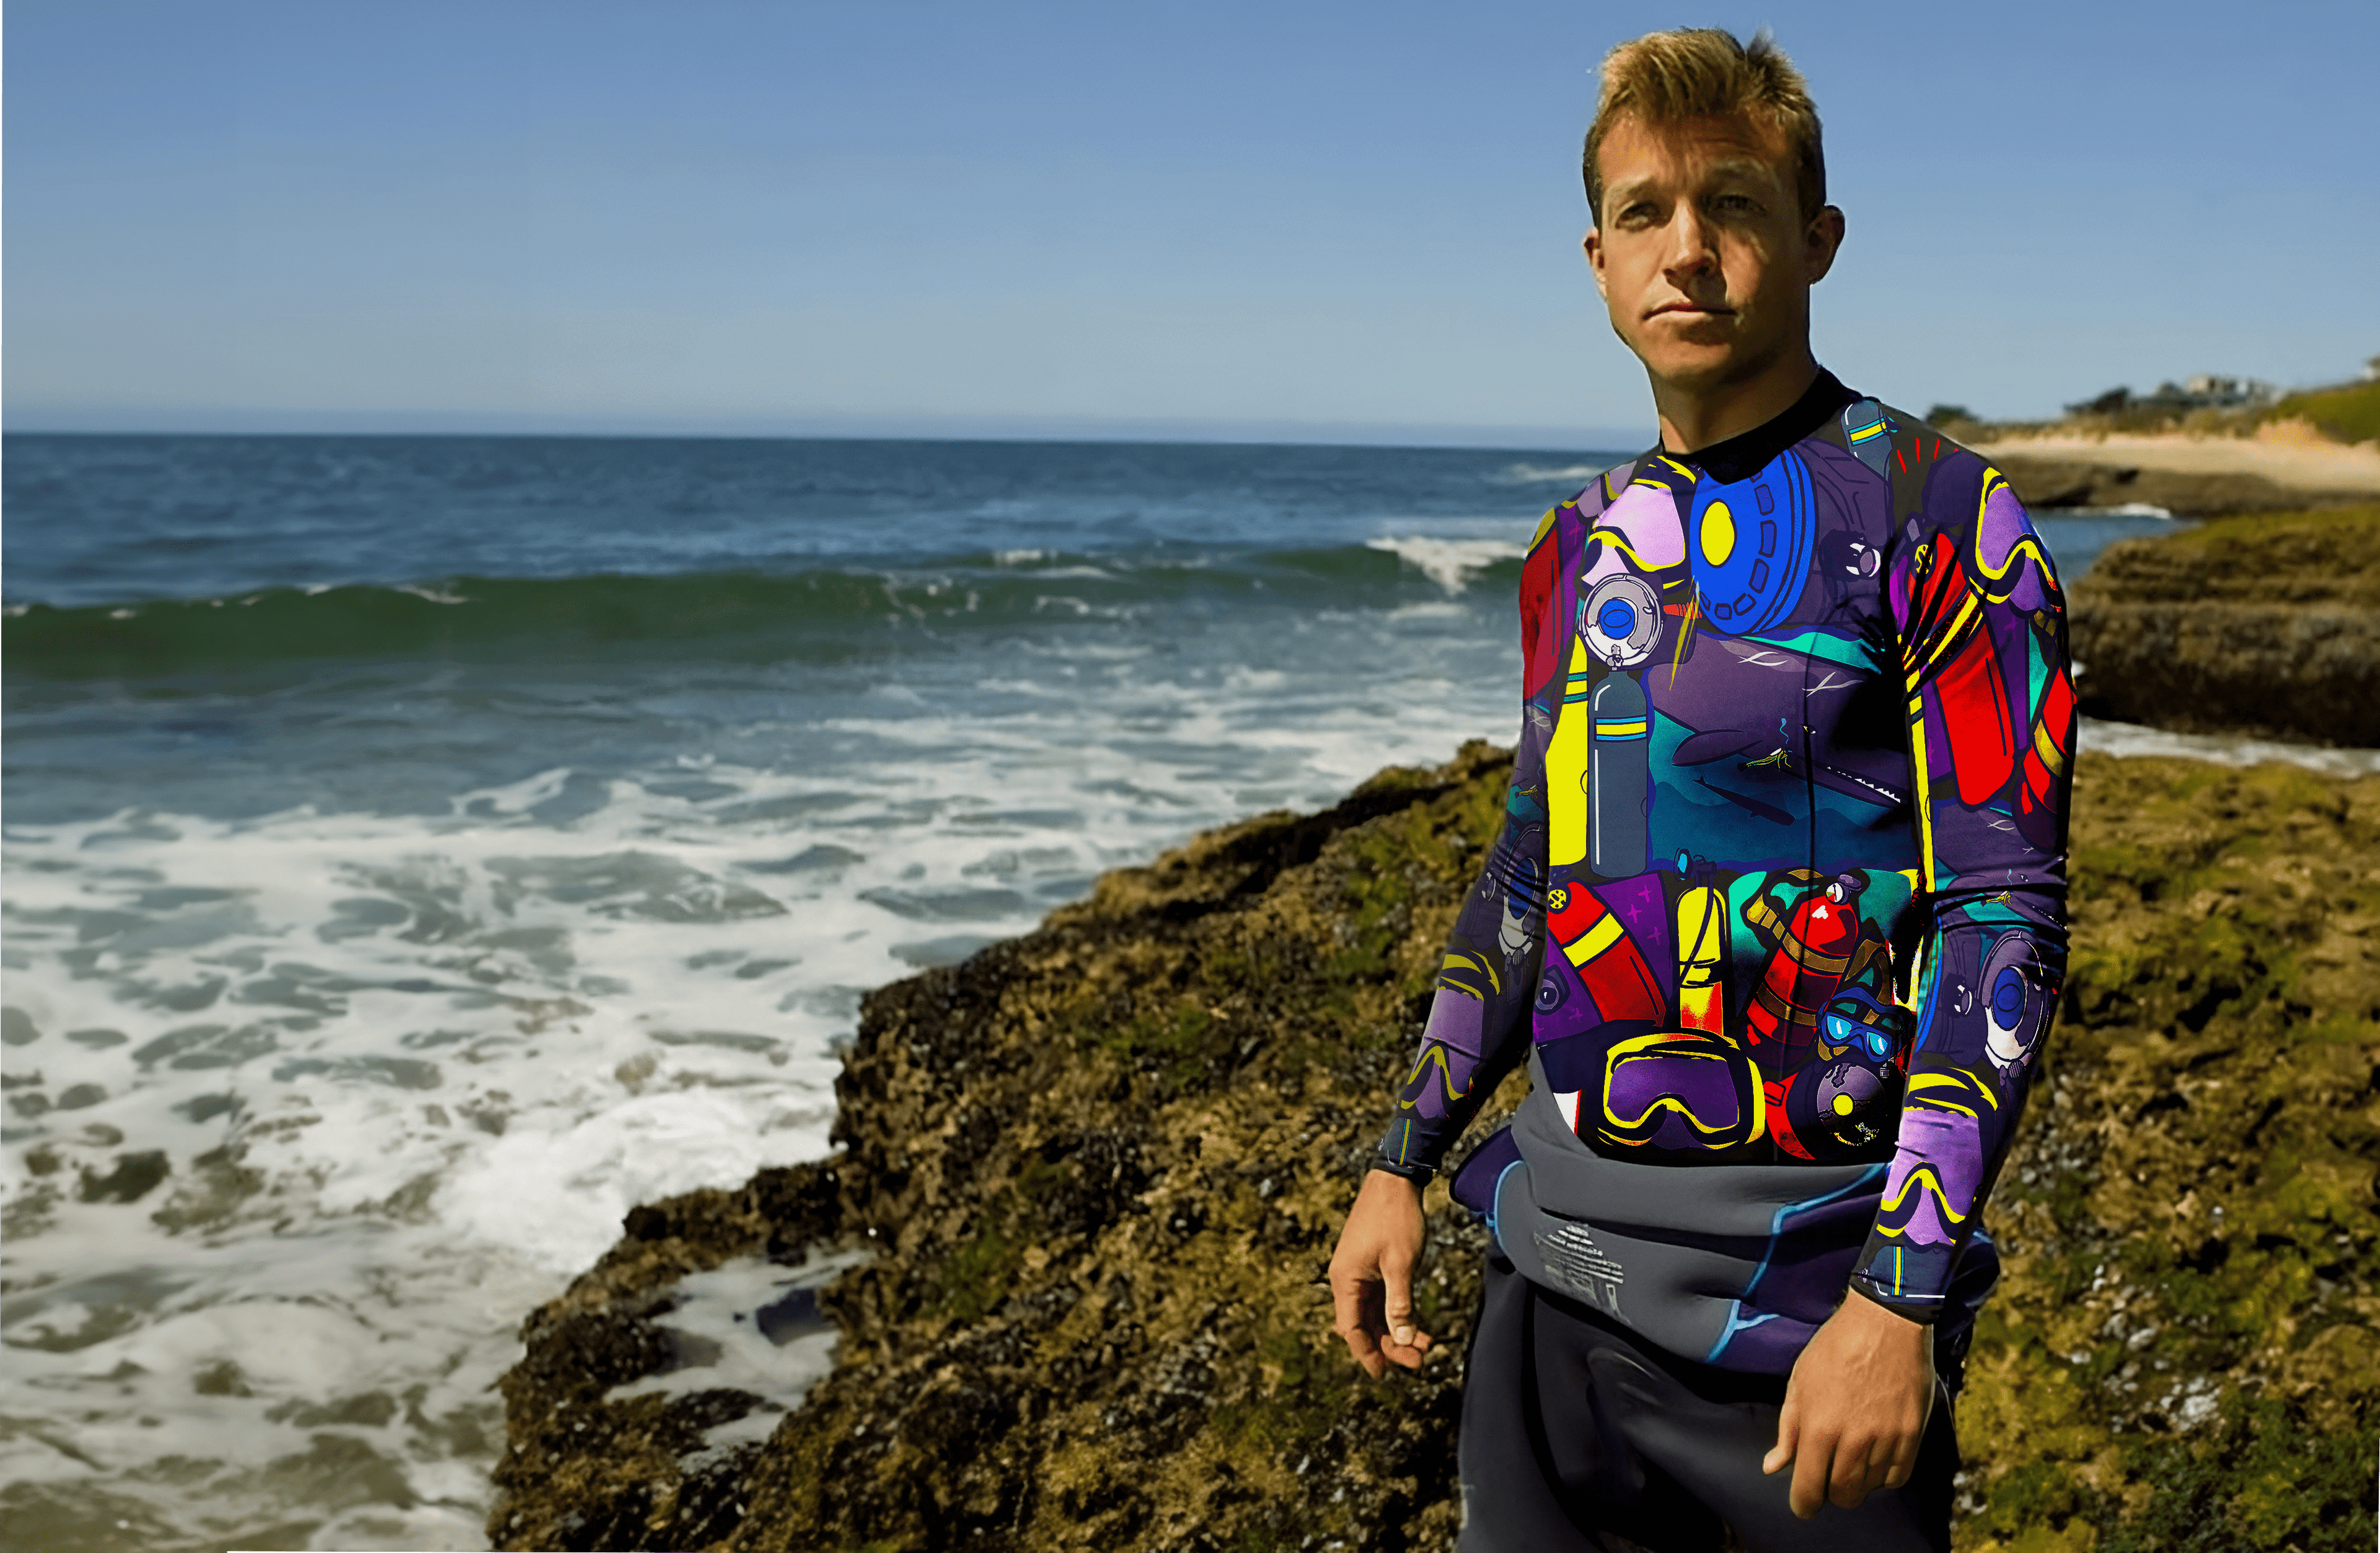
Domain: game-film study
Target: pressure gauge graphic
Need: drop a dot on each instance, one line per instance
(1619, 621)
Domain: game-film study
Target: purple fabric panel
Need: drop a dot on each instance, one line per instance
(1457, 1022)
(1950, 1145)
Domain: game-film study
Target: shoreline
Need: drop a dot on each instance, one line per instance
(2128, 741)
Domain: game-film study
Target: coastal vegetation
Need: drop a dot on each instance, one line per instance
(2344, 413)
(2349, 413)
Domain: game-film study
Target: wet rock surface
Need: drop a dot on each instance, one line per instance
(2264, 624)
(1101, 1168)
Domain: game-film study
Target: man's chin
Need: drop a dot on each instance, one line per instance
(1692, 367)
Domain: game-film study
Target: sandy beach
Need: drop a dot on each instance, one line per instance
(2285, 455)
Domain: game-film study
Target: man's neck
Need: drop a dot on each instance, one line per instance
(1695, 418)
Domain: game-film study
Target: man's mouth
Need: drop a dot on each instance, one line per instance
(1691, 310)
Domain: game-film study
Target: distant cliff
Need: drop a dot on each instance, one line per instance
(1101, 1167)
(2263, 624)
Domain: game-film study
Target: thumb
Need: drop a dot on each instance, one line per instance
(1789, 1434)
(1396, 1277)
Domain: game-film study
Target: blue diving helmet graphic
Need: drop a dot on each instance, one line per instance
(1750, 543)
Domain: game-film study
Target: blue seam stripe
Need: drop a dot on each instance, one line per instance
(1495, 1196)
(1735, 1322)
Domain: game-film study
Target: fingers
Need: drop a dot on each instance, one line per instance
(1813, 1462)
(1396, 1275)
(1347, 1298)
(1832, 1470)
(1848, 1479)
(1789, 1427)
(1359, 1307)
(1857, 1470)
(1408, 1355)
(1827, 1471)
(1904, 1461)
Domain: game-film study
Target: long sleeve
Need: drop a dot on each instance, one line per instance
(1478, 1027)
(1991, 726)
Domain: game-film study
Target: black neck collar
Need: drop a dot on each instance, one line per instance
(1746, 453)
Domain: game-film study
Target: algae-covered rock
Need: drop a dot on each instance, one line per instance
(2264, 624)
(1102, 1166)
(2185, 1351)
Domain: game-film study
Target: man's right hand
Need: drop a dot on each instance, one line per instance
(1371, 1275)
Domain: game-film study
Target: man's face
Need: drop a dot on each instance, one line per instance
(1700, 250)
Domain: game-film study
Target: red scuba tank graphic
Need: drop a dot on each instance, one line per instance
(1815, 947)
(1976, 714)
(1609, 965)
(2045, 761)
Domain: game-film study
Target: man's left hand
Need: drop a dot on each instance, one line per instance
(1855, 1407)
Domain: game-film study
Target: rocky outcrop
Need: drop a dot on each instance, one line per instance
(2280, 468)
(2047, 480)
(1102, 1166)
(2270, 624)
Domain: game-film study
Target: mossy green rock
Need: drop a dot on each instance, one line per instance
(2186, 1350)
(2268, 625)
(1103, 1166)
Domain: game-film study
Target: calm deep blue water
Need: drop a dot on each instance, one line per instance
(418, 850)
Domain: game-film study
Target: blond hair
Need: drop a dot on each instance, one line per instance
(1699, 72)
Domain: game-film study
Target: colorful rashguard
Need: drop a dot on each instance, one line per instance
(1777, 912)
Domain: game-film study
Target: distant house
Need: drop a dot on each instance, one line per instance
(2207, 391)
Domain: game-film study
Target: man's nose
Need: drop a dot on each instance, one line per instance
(1692, 252)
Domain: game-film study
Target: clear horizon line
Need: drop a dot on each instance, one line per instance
(159, 421)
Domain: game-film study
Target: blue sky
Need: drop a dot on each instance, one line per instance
(1326, 220)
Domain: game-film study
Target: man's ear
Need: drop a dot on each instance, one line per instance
(1592, 246)
(1822, 242)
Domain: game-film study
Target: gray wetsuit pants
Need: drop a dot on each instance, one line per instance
(1579, 1437)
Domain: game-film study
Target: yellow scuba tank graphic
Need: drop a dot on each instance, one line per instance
(1702, 949)
(1568, 756)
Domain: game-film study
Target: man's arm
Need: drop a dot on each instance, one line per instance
(1478, 1020)
(1991, 732)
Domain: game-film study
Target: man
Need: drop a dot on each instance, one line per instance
(1776, 915)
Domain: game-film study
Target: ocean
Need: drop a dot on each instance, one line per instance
(419, 850)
